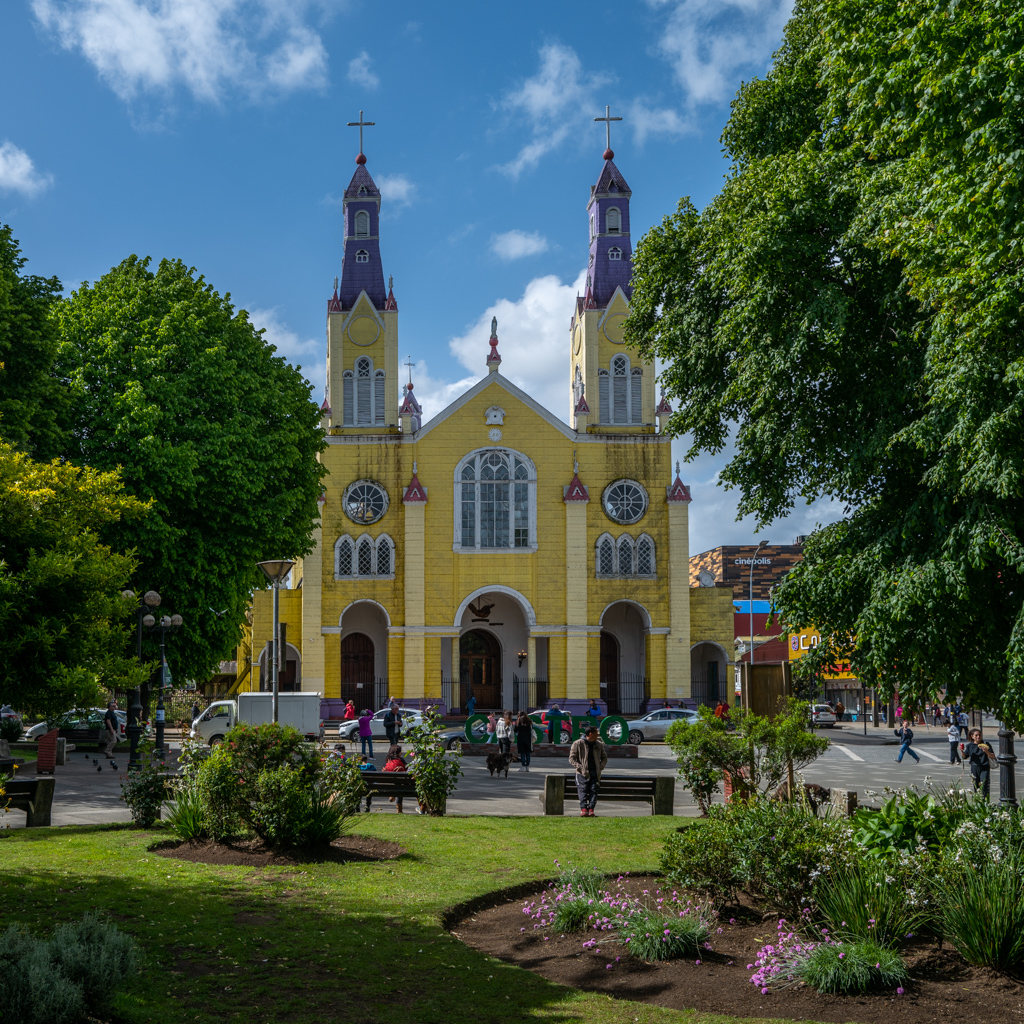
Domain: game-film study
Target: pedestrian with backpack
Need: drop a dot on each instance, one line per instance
(906, 737)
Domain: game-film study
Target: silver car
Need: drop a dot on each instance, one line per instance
(349, 731)
(655, 724)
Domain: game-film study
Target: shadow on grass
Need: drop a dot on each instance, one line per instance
(273, 944)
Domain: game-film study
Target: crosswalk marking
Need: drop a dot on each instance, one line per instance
(924, 753)
(848, 752)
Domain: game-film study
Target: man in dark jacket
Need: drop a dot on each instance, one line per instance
(588, 757)
(393, 724)
(978, 753)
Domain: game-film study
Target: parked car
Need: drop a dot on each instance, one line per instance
(82, 726)
(655, 724)
(349, 731)
(455, 735)
(822, 715)
(541, 718)
(8, 712)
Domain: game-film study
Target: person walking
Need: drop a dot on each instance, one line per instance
(980, 755)
(196, 710)
(587, 757)
(111, 727)
(953, 735)
(366, 732)
(964, 722)
(840, 710)
(393, 724)
(471, 705)
(906, 736)
(504, 730)
(492, 724)
(524, 741)
(594, 711)
(349, 713)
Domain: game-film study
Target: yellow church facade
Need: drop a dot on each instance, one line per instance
(495, 550)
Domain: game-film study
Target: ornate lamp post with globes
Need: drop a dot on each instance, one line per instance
(276, 572)
(167, 624)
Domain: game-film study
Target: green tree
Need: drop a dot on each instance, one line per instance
(174, 386)
(846, 311)
(63, 622)
(31, 398)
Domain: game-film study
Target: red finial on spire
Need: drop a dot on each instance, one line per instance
(608, 154)
(361, 159)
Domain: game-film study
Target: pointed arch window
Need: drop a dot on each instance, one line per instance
(348, 392)
(364, 557)
(625, 556)
(577, 387)
(645, 564)
(615, 253)
(362, 256)
(362, 224)
(495, 501)
(624, 562)
(613, 221)
(379, 392)
(621, 392)
(606, 557)
(604, 395)
(364, 394)
(636, 395)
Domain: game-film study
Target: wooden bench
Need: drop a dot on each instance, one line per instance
(656, 790)
(396, 784)
(34, 796)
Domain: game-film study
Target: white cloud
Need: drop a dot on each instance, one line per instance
(514, 245)
(359, 71)
(397, 189)
(18, 173)
(711, 44)
(557, 99)
(647, 121)
(307, 353)
(210, 47)
(533, 333)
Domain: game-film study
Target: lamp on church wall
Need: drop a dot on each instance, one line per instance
(276, 572)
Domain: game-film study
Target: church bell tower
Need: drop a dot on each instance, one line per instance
(612, 386)
(362, 317)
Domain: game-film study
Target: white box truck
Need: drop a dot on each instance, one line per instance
(301, 710)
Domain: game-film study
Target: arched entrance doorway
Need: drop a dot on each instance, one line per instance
(480, 666)
(357, 661)
(610, 671)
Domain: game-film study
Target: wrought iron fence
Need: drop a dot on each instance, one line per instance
(528, 694)
(370, 694)
(626, 695)
(454, 695)
(707, 689)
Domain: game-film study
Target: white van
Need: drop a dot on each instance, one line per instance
(302, 710)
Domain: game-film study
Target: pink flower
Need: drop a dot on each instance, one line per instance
(899, 991)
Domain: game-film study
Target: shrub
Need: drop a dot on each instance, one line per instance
(572, 911)
(983, 913)
(144, 789)
(660, 935)
(187, 814)
(588, 881)
(435, 771)
(66, 979)
(343, 782)
(776, 851)
(220, 791)
(11, 729)
(906, 821)
(865, 901)
(848, 968)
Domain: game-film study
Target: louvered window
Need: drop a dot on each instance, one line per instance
(348, 397)
(613, 221)
(379, 391)
(636, 398)
(603, 398)
(362, 224)
(364, 393)
(620, 390)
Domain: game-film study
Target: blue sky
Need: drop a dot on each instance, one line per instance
(214, 131)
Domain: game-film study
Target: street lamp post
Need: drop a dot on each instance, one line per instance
(147, 602)
(763, 543)
(167, 624)
(276, 572)
(1006, 759)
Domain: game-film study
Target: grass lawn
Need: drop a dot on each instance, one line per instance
(356, 942)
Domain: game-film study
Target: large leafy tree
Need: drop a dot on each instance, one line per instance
(63, 622)
(177, 389)
(849, 306)
(31, 400)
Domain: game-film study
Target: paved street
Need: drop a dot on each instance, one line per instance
(853, 762)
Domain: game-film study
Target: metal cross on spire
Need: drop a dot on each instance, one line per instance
(361, 124)
(410, 364)
(607, 130)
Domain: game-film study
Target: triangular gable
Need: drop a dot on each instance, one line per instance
(576, 491)
(364, 307)
(618, 305)
(678, 491)
(496, 380)
(415, 491)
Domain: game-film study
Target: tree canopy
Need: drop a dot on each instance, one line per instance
(848, 308)
(177, 389)
(64, 626)
(31, 399)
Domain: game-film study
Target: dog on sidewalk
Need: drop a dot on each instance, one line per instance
(497, 762)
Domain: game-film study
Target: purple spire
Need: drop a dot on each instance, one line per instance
(361, 268)
(611, 255)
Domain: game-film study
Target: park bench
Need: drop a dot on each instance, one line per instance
(34, 796)
(396, 784)
(656, 790)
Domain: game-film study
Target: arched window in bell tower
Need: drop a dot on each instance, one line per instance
(613, 221)
(362, 224)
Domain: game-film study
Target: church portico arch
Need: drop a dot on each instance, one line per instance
(494, 628)
(364, 652)
(624, 627)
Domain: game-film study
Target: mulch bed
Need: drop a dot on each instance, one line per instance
(254, 853)
(943, 987)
